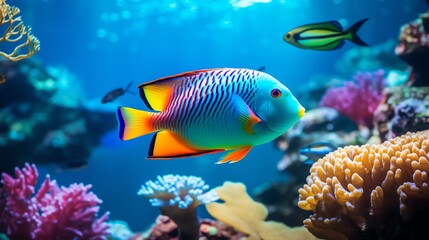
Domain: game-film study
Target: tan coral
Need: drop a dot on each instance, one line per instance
(16, 33)
(241, 212)
(370, 192)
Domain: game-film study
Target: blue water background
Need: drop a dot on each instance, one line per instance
(106, 46)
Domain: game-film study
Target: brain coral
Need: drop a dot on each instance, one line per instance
(370, 192)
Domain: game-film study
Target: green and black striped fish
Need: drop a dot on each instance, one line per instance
(324, 36)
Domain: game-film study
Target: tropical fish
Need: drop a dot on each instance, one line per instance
(115, 93)
(324, 35)
(209, 111)
(317, 150)
(2, 78)
(261, 69)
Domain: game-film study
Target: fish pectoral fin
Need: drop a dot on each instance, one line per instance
(246, 116)
(234, 156)
(168, 145)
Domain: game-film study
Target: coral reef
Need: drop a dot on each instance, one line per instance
(165, 228)
(358, 100)
(370, 192)
(51, 212)
(50, 128)
(242, 213)
(413, 48)
(403, 109)
(15, 32)
(178, 198)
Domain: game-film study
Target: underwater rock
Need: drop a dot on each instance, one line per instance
(281, 200)
(413, 48)
(166, 229)
(376, 57)
(51, 212)
(370, 192)
(403, 109)
(38, 126)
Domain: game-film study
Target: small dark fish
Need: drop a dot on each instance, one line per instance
(76, 165)
(2, 78)
(261, 69)
(115, 93)
(324, 36)
(317, 150)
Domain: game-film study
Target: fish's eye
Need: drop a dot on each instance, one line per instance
(288, 35)
(276, 93)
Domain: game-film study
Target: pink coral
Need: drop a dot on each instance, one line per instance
(51, 213)
(357, 100)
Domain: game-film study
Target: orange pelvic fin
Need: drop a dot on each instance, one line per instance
(234, 156)
(168, 145)
(133, 123)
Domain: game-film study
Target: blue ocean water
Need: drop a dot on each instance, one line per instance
(108, 43)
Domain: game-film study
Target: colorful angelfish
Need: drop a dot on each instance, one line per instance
(208, 111)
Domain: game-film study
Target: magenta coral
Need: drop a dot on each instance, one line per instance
(357, 100)
(52, 212)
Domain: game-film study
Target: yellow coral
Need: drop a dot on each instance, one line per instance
(370, 192)
(247, 216)
(15, 31)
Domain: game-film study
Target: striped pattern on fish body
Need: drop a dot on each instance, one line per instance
(324, 36)
(208, 111)
(200, 108)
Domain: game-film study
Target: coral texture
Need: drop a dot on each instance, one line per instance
(248, 216)
(358, 100)
(52, 212)
(413, 48)
(165, 228)
(16, 32)
(370, 192)
(178, 198)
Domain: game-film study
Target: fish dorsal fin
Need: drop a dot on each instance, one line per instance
(167, 145)
(157, 93)
(329, 25)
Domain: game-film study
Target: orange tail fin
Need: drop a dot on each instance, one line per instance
(133, 123)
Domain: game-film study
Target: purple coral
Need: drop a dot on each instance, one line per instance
(357, 100)
(52, 212)
(178, 198)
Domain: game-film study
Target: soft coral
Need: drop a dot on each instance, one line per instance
(52, 213)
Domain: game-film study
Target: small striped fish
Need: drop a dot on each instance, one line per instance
(324, 35)
(208, 111)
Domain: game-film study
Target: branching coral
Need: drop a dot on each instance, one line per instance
(178, 198)
(52, 213)
(248, 216)
(370, 192)
(16, 31)
(359, 100)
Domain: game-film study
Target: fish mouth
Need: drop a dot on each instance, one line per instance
(301, 112)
